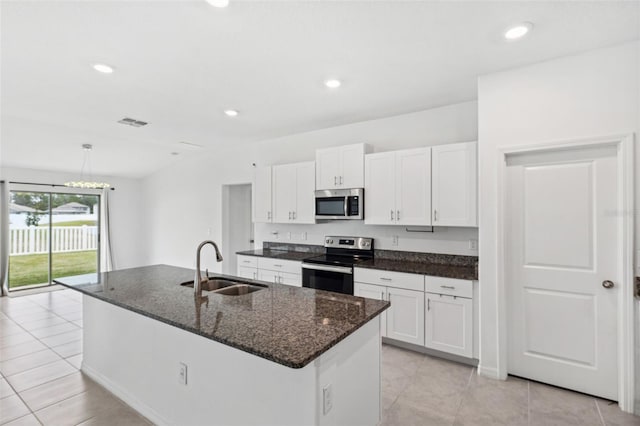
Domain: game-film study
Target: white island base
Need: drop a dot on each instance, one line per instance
(138, 359)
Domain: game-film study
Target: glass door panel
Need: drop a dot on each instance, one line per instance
(74, 234)
(28, 239)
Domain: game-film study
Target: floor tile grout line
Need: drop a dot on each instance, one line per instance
(463, 393)
(528, 402)
(595, 401)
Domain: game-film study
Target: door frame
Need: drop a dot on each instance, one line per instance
(625, 318)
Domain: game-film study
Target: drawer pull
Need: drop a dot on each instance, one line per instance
(448, 286)
(278, 266)
(246, 261)
(386, 279)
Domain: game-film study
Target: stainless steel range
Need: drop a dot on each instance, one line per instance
(333, 271)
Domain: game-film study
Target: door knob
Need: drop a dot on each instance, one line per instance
(607, 284)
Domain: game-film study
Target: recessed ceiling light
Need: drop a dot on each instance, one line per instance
(231, 112)
(103, 68)
(332, 83)
(218, 3)
(518, 31)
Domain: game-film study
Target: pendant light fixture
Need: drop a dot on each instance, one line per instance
(86, 182)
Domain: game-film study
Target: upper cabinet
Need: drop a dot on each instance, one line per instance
(454, 186)
(261, 195)
(398, 187)
(340, 167)
(293, 193)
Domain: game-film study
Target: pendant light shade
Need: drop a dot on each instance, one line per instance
(86, 182)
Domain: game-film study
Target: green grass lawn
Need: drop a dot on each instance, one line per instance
(34, 268)
(73, 223)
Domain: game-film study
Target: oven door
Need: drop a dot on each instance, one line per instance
(338, 279)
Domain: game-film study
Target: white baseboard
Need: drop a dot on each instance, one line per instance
(489, 372)
(125, 396)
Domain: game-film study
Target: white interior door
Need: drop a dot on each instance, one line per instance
(561, 248)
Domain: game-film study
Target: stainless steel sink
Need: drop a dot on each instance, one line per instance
(226, 286)
(238, 290)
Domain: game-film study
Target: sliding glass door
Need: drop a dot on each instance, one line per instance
(52, 235)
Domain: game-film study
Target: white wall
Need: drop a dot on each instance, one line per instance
(127, 239)
(183, 201)
(583, 96)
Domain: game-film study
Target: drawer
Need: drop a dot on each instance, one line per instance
(450, 286)
(290, 266)
(389, 278)
(248, 261)
(290, 279)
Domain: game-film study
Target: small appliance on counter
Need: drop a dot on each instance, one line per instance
(340, 204)
(333, 271)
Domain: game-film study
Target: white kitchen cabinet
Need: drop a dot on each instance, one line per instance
(261, 195)
(293, 193)
(280, 271)
(405, 317)
(404, 320)
(340, 167)
(449, 324)
(398, 187)
(376, 292)
(246, 272)
(454, 185)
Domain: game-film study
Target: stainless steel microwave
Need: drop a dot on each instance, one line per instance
(340, 204)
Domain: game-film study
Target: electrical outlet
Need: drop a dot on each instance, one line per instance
(303, 236)
(208, 231)
(288, 235)
(182, 374)
(327, 399)
(394, 240)
(473, 244)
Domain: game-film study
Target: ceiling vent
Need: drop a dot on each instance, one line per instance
(132, 122)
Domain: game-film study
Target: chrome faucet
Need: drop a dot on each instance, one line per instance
(197, 281)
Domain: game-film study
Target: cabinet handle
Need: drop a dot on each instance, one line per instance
(397, 214)
(335, 181)
(448, 286)
(269, 215)
(278, 266)
(246, 261)
(255, 275)
(435, 215)
(289, 215)
(340, 180)
(428, 304)
(382, 295)
(391, 214)
(294, 215)
(385, 279)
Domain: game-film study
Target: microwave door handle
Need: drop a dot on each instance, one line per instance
(346, 207)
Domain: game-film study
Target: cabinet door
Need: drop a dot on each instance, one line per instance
(268, 276)
(352, 166)
(379, 188)
(449, 324)
(373, 292)
(455, 184)
(305, 207)
(284, 193)
(327, 168)
(246, 272)
(290, 279)
(413, 187)
(261, 194)
(405, 318)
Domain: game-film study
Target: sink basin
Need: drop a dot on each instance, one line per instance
(238, 290)
(226, 286)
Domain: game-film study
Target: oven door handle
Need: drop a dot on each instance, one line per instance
(340, 269)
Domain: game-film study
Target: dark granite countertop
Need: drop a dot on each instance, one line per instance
(463, 272)
(277, 254)
(288, 325)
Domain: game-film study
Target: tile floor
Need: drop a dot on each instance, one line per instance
(40, 383)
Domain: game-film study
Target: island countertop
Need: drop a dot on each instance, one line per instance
(288, 325)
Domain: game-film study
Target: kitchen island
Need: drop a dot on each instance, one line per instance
(278, 356)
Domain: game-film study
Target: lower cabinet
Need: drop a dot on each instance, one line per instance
(449, 324)
(433, 312)
(272, 270)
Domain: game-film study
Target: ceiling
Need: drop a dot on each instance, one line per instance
(179, 64)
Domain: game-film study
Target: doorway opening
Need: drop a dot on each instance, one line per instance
(237, 227)
(52, 235)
